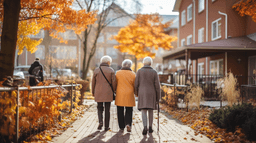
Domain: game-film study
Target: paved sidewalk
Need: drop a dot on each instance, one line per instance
(85, 130)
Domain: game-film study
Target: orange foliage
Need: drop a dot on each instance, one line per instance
(142, 35)
(246, 7)
(55, 15)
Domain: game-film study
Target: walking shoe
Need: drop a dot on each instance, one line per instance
(100, 126)
(150, 130)
(128, 128)
(107, 128)
(144, 132)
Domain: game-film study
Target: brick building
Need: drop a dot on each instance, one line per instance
(213, 39)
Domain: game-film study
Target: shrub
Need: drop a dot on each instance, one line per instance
(229, 90)
(194, 95)
(229, 118)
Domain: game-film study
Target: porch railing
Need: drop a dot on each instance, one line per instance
(27, 96)
(209, 83)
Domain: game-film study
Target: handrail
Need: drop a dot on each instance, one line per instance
(174, 85)
(35, 87)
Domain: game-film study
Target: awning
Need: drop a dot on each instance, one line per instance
(205, 49)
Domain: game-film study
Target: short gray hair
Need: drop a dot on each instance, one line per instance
(147, 61)
(106, 59)
(127, 63)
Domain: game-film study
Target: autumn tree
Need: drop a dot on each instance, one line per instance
(55, 16)
(93, 31)
(143, 35)
(246, 7)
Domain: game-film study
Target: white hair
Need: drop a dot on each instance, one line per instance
(147, 61)
(106, 59)
(127, 63)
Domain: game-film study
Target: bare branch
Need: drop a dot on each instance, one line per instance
(79, 4)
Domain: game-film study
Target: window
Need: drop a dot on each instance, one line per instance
(201, 35)
(109, 36)
(68, 35)
(40, 52)
(216, 29)
(200, 70)
(189, 40)
(200, 5)
(216, 67)
(183, 42)
(101, 38)
(40, 34)
(189, 13)
(112, 53)
(99, 52)
(63, 52)
(113, 23)
(183, 17)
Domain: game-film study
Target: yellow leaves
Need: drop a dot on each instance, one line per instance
(143, 35)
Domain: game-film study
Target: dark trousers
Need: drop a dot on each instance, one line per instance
(124, 119)
(100, 108)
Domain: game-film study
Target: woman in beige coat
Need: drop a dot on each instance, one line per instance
(102, 91)
(125, 95)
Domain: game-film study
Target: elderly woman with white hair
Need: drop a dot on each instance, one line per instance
(103, 86)
(125, 98)
(147, 88)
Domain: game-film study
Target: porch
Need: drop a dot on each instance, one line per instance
(207, 62)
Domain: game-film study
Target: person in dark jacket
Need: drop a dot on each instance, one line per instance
(36, 73)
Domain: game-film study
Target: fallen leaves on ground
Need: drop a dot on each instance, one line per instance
(199, 122)
(59, 127)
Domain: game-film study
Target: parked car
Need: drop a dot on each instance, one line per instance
(23, 69)
(61, 72)
(18, 74)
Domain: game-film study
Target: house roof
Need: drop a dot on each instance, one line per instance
(122, 10)
(177, 6)
(231, 44)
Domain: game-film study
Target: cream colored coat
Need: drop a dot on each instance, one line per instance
(125, 88)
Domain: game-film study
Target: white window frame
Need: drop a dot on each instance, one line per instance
(217, 29)
(182, 41)
(188, 37)
(201, 35)
(218, 66)
(183, 18)
(200, 10)
(198, 74)
(189, 18)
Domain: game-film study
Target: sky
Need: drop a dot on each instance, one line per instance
(163, 7)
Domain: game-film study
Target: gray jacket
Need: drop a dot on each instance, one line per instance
(147, 88)
(101, 90)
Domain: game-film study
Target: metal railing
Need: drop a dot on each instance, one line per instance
(27, 97)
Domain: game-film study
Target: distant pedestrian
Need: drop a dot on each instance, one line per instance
(147, 88)
(125, 98)
(102, 91)
(36, 73)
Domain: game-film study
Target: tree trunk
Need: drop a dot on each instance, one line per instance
(9, 37)
(135, 68)
(85, 54)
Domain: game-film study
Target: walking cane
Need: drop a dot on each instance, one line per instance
(158, 118)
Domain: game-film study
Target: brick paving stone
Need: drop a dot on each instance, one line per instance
(85, 130)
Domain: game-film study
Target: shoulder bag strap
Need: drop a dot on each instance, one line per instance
(107, 79)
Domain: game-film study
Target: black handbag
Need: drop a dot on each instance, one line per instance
(114, 95)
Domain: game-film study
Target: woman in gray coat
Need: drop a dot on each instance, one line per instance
(147, 88)
(102, 91)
